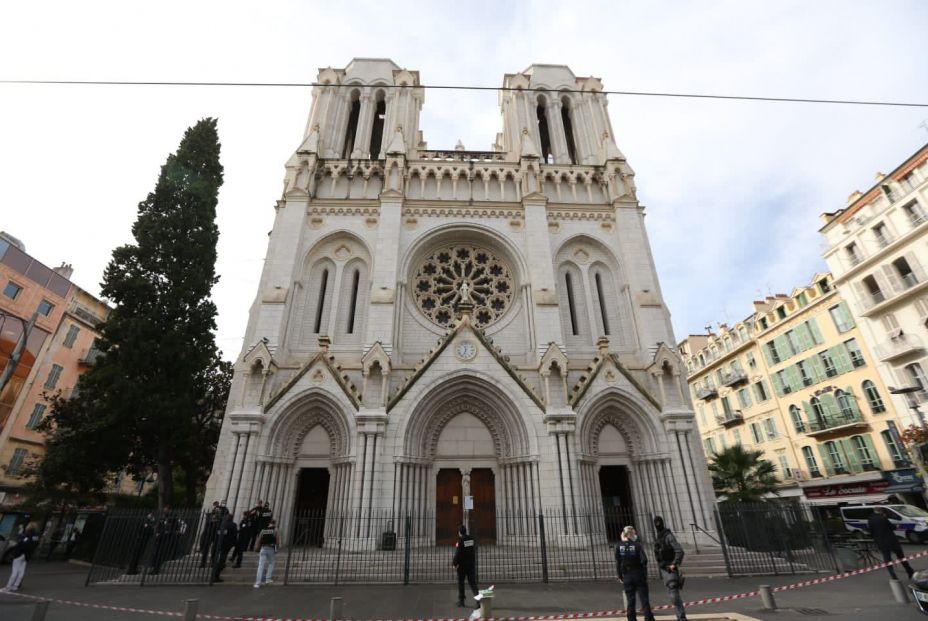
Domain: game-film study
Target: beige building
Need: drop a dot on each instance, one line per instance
(877, 249)
(797, 381)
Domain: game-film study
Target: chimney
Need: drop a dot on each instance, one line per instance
(64, 270)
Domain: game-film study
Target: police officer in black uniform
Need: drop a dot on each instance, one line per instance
(631, 563)
(244, 535)
(464, 562)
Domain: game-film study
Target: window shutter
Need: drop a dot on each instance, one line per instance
(863, 295)
(783, 348)
(852, 399)
(851, 457)
(807, 408)
(915, 266)
(829, 406)
(846, 313)
(814, 331)
(872, 449)
(767, 355)
(826, 460)
(794, 377)
(777, 384)
(889, 275)
(805, 336)
(816, 368)
(841, 358)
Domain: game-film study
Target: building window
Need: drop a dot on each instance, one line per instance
(819, 412)
(351, 131)
(864, 454)
(71, 336)
(744, 399)
(895, 451)
(796, 417)
(571, 304)
(760, 390)
(828, 362)
(543, 133)
(845, 405)
(802, 300)
(12, 290)
(915, 213)
(834, 454)
(320, 307)
(853, 350)
(736, 434)
(781, 312)
(763, 323)
(873, 289)
(853, 253)
(353, 304)
(811, 464)
(804, 373)
(909, 279)
(793, 340)
(726, 408)
(841, 317)
(38, 412)
(53, 376)
(784, 467)
(723, 442)
(882, 235)
(602, 303)
(756, 433)
(751, 361)
(772, 351)
(702, 415)
(16, 463)
(873, 397)
(709, 447)
(380, 115)
(824, 286)
(46, 308)
(908, 183)
(770, 426)
(568, 130)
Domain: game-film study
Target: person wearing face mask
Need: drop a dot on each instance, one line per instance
(669, 555)
(631, 563)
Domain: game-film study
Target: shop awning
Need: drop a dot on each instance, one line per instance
(862, 499)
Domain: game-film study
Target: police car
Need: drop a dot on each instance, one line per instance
(909, 522)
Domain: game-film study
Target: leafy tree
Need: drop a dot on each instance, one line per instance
(152, 399)
(742, 475)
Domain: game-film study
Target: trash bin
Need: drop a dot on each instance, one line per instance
(388, 541)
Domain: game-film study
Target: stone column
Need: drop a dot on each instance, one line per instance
(362, 137)
(556, 130)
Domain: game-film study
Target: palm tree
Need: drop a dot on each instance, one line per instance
(742, 475)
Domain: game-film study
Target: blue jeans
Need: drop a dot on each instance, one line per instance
(266, 560)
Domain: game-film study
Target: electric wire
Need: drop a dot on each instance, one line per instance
(804, 100)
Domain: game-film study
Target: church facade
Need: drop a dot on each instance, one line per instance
(441, 330)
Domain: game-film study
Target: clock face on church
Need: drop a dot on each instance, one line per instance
(466, 350)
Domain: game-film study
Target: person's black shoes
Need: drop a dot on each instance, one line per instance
(461, 604)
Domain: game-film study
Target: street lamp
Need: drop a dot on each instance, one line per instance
(907, 390)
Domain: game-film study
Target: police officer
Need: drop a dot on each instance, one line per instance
(631, 563)
(208, 536)
(669, 555)
(464, 562)
(244, 536)
(264, 516)
(226, 537)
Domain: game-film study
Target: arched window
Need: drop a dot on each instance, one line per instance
(320, 301)
(380, 116)
(819, 412)
(811, 464)
(543, 133)
(602, 303)
(864, 454)
(571, 303)
(917, 376)
(873, 397)
(353, 304)
(796, 417)
(352, 130)
(568, 130)
(845, 404)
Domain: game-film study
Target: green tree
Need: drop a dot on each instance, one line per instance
(152, 397)
(742, 475)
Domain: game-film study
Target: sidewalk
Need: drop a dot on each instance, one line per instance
(858, 598)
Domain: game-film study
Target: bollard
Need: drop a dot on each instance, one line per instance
(766, 596)
(41, 608)
(190, 609)
(335, 608)
(898, 591)
(486, 608)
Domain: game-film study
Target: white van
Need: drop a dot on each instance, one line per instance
(910, 522)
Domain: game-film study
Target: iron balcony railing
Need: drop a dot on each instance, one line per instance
(734, 377)
(836, 421)
(706, 391)
(899, 346)
(730, 419)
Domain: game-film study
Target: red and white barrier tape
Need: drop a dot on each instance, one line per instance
(556, 617)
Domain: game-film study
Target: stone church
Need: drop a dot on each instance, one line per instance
(437, 330)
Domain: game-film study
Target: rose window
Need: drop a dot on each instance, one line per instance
(436, 285)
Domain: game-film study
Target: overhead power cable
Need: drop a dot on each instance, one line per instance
(852, 102)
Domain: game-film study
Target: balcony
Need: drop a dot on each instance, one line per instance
(836, 424)
(730, 419)
(706, 392)
(734, 377)
(90, 357)
(899, 346)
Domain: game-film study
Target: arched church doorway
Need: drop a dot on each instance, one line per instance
(312, 496)
(467, 496)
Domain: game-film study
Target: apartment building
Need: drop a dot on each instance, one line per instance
(877, 250)
(797, 381)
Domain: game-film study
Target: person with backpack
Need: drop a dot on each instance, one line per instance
(669, 554)
(20, 554)
(631, 563)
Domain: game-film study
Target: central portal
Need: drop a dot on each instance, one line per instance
(311, 498)
(616, 493)
(449, 505)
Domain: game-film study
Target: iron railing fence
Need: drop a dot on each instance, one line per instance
(373, 546)
(773, 539)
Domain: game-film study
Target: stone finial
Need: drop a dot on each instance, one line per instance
(324, 342)
(459, 146)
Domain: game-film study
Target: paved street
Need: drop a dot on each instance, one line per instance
(862, 597)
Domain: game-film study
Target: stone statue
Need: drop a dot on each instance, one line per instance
(465, 293)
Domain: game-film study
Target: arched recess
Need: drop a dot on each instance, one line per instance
(335, 273)
(299, 416)
(601, 306)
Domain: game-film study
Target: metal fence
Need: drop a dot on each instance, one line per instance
(383, 547)
(773, 539)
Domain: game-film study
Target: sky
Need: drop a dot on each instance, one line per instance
(733, 190)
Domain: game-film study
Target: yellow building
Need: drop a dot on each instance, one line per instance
(796, 381)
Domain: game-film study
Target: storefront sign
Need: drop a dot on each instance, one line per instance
(902, 480)
(847, 489)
